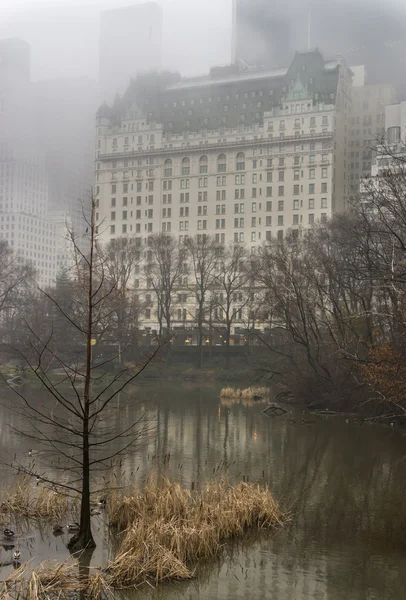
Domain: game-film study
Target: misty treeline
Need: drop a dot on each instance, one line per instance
(326, 304)
(335, 299)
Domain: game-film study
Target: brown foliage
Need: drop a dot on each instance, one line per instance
(385, 373)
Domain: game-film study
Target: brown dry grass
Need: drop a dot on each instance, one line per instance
(245, 396)
(164, 531)
(32, 502)
(167, 529)
(52, 581)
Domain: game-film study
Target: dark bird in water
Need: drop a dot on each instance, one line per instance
(102, 501)
(308, 422)
(58, 529)
(8, 533)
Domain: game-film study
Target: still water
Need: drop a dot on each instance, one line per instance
(344, 485)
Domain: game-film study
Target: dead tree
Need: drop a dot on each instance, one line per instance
(166, 267)
(75, 421)
(232, 293)
(203, 256)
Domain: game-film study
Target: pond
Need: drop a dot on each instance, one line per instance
(343, 483)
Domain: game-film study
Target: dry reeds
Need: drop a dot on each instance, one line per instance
(52, 582)
(35, 503)
(167, 529)
(250, 394)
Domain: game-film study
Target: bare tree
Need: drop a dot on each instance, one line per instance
(232, 292)
(165, 268)
(203, 254)
(17, 286)
(76, 421)
(122, 265)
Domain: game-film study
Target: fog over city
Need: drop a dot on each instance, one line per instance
(64, 35)
(202, 299)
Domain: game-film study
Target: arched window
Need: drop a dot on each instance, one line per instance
(168, 168)
(240, 161)
(204, 164)
(221, 163)
(186, 166)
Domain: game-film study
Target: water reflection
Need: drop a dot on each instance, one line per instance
(344, 485)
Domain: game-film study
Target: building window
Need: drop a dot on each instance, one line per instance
(311, 203)
(186, 166)
(124, 228)
(113, 216)
(280, 220)
(281, 190)
(295, 219)
(240, 163)
(269, 206)
(324, 217)
(296, 189)
(168, 168)
(203, 165)
(324, 172)
(324, 188)
(221, 163)
(113, 202)
(324, 203)
(312, 173)
(311, 188)
(311, 219)
(281, 205)
(112, 229)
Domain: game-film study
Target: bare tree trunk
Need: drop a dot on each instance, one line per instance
(84, 538)
(200, 325)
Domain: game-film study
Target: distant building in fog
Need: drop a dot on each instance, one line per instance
(130, 42)
(68, 106)
(265, 32)
(367, 124)
(395, 137)
(243, 156)
(261, 37)
(25, 221)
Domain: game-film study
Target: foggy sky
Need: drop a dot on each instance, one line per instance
(63, 34)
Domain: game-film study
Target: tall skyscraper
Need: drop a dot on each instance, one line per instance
(261, 34)
(64, 121)
(368, 33)
(130, 43)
